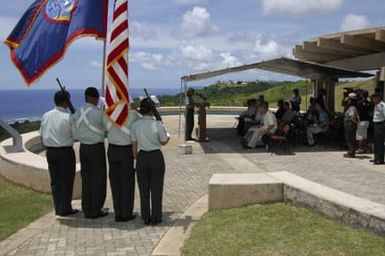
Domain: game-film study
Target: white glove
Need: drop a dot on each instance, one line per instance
(134, 164)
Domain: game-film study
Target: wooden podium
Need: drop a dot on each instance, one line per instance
(202, 128)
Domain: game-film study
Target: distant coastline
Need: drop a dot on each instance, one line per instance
(29, 105)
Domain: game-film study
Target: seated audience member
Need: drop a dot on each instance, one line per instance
(322, 125)
(296, 101)
(257, 119)
(280, 111)
(280, 135)
(268, 126)
(289, 115)
(248, 114)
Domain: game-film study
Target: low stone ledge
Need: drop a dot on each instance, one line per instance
(350, 209)
(29, 169)
(237, 190)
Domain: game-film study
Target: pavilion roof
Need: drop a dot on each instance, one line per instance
(344, 45)
(287, 66)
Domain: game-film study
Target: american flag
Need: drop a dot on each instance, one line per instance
(117, 97)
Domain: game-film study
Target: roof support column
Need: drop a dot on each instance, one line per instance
(380, 82)
(328, 84)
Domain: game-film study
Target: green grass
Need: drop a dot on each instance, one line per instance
(19, 207)
(278, 229)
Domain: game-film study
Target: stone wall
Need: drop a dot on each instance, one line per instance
(29, 169)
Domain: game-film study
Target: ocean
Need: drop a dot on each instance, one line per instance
(21, 105)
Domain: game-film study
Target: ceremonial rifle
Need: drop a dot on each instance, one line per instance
(70, 106)
(154, 110)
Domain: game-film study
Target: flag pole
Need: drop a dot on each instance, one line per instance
(104, 67)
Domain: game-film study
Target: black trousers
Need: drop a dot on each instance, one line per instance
(94, 178)
(189, 122)
(62, 167)
(122, 179)
(150, 170)
(378, 139)
(350, 136)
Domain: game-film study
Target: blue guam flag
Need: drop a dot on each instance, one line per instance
(46, 29)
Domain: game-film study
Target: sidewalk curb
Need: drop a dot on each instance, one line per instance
(173, 241)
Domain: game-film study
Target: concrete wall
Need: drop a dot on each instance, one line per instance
(29, 169)
(237, 190)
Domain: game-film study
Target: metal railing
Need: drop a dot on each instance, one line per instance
(17, 145)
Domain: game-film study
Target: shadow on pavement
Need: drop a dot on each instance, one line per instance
(225, 140)
(108, 222)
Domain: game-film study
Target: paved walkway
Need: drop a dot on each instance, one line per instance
(186, 181)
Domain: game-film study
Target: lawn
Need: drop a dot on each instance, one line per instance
(278, 229)
(19, 207)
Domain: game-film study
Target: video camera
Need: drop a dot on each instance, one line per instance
(348, 91)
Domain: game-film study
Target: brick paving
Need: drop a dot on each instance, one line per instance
(186, 181)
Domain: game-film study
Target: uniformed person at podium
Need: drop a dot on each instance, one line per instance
(88, 129)
(190, 110)
(121, 165)
(148, 136)
(57, 137)
(378, 129)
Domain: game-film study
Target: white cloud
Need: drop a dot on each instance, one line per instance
(196, 22)
(150, 61)
(6, 25)
(267, 49)
(229, 60)
(354, 22)
(189, 1)
(196, 53)
(142, 31)
(200, 57)
(96, 64)
(300, 7)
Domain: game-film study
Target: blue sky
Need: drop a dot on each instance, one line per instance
(170, 38)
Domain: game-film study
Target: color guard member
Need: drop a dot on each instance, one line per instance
(88, 129)
(148, 136)
(121, 164)
(57, 137)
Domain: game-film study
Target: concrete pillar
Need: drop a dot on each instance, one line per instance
(380, 80)
(328, 85)
(330, 94)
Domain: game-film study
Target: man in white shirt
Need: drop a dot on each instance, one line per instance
(56, 136)
(254, 135)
